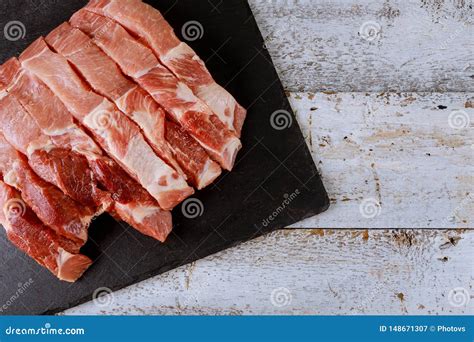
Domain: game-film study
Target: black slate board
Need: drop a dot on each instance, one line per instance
(274, 175)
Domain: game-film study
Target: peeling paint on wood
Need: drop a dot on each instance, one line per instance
(418, 45)
(398, 151)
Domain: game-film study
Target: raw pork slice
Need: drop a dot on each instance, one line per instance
(150, 26)
(55, 209)
(115, 133)
(106, 79)
(200, 169)
(132, 203)
(42, 244)
(68, 171)
(138, 62)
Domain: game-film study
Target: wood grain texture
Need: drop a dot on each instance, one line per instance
(314, 272)
(419, 45)
(404, 156)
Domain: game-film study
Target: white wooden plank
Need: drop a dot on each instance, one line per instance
(396, 153)
(314, 272)
(318, 45)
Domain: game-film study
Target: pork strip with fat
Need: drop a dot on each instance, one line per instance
(30, 235)
(106, 79)
(113, 130)
(139, 63)
(56, 122)
(151, 27)
(56, 210)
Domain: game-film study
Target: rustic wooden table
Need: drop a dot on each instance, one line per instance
(383, 91)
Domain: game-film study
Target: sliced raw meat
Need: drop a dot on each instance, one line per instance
(28, 233)
(114, 132)
(138, 62)
(200, 169)
(134, 204)
(107, 80)
(55, 209)
(56, 122)
(48, 111)
(93, 64)
(68, 171)
(150, 26)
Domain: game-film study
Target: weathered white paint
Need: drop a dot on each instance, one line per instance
(422, 45)
(324, 271)
(399, 151)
